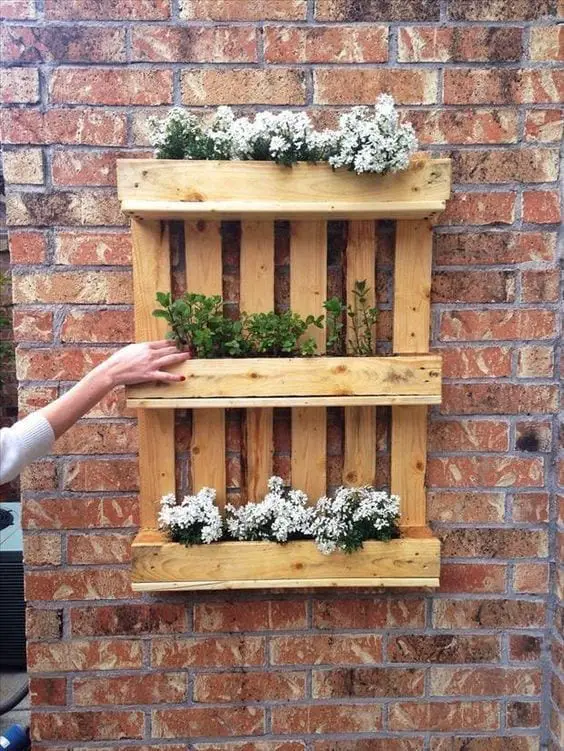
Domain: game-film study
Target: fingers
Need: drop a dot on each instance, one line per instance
(171, 359)
(161, 344)
(164, 377)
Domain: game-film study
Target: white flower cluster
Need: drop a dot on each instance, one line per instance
(282, 515)
(367, 140)
(194, 521)
(352, 516)
(342, 522)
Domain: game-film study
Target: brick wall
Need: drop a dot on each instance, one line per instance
(478, 665)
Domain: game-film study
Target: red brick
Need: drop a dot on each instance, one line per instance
(472, 577)
(547, 43)
(458, 44)
(113, 86)
(31, 398)
(327, 718)
(96, 249)
(473, 286)
(98, 326)
(43, 625)
(524, 648)
(451, 506)
(42, 550)
(32, 325)
(484, 681)
(377, 10)
(63, 126)
(523, 714)
(497, 399)
(488, 614)
(95, 207)
(77, 584)
(33, 44)
(510, 324)
(194, 721)
(368, 614)
(463, 715)
(541, 206)
(40, 476)
(84, 655)
(533, 436)
(91, 10)
(98, 438)
(469, 435)
(18, 9)
(503, 86)
(251, 10)
(476, 362)
(367, 683)
(256, 616)
(128, 620)
(86, 726)
(317, 650)
(326, 44)
(485, 743)
(56, 365)
(109, 287)
(371, 744)
(525, 165)
(540, 286)
(535, 362)
(249, 687)
(152, 688)
(484, 472)
(480, 208)
(80, 513)
(19, 86)
(531, 578)
(493, 543)
(243, 86)
(27, 247)
(482, 248)
(493, 10)
(464, 126)
(213, 652)
(530, 507)
(109, 548)
(360, 86)
(219, 44)
(544, 125)
(84, 167)
(96, 475)
(48, 692)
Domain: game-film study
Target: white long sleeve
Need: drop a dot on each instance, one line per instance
(23, 443)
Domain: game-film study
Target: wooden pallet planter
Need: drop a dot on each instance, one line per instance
(202, 194)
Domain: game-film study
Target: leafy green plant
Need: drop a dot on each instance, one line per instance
(363, 317)
(6, 348)
(279, 334)
(335, 308)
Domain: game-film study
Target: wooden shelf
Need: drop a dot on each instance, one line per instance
(315, 381)
(413, 560)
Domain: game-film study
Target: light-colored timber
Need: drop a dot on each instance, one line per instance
(241, 402)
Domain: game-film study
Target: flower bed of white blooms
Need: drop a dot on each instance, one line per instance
(342, 522)
(368, 139)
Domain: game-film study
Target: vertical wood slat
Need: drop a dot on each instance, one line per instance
(257, 296)
(204, 274)
(412, 311)
(151, 274)
(308, 290)
(359, 467)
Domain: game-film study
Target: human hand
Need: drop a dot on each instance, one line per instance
(139, 363)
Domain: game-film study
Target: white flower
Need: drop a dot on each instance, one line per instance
(195, 520)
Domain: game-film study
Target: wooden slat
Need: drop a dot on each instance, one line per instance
(257, 296)
(204, 275)
(359, 466)
(412, 289)
(151, 273)
(308, 290)
(246, 183)
(242, 402)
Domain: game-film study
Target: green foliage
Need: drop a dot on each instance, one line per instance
(362, 317)
(6, 348)
(279, 334)
(335, 309)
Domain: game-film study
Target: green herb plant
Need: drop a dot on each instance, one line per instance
(362, 316)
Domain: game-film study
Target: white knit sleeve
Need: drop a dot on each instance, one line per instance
(23, 443)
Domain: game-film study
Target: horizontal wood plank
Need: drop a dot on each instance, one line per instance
(374, 581)
(241, 402)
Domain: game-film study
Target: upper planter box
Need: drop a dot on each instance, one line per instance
(170, 189)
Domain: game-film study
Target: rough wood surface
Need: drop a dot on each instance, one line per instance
(241, 402)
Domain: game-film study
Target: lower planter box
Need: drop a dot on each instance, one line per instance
(413, 560)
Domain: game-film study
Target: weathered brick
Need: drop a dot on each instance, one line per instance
(370, 744)
(27, 247)
(259, 616)
(24, 166)
(540, 286)
(471, 506)
(477, 362)
(18, 9)
(63, 125)
(368, 614)
(473, 286)
(360, 86)
(524, 648)
(377, 10)
(49, 364)
(110, 287)
(243, 86)
(130, 10)
(88, 207)
(98, 326)
(480, 208)
(444, 648)
(544, 125)
(42, 475)
(488, 614)
(497, 399)
(153, 688)
(101, 474)
(96, 249)
(48, 692)
(108, 548)
(80, 513)
(484, 248)
(42, 550)
(484, 472)
(249, 687)
(43, 625)
(462, 715)
(525, 165)
(32, 325)
(533, 436)
(547, 43)
(485, 743)
(510, 324)
(541, 206)
(128, 620)
(530, 507)
(367, 682)
(531, 578)
(195, 721)
(506, 10)
(463, 126)
(484, 681)
(327, 718)
(220, 44)
(86, 726)
(213, 652)
(77, 584)
(19, 86)
(502, 86)
(317, 650)
(326, 44)
(472, 577)
(250, 10)
(459, 44)
(63, 44)
(84, 655)
(494, 543)
(112, 86)
(84, 167)
(523, 714)
(469, 435)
